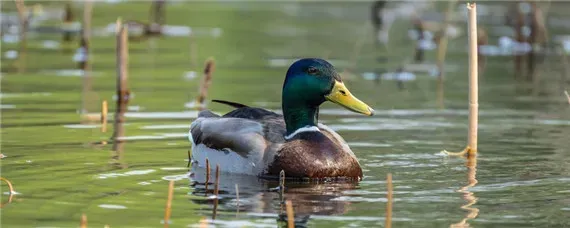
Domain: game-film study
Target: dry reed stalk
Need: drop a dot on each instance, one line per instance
(11, 188)
(203, 222)
(389, 197)
(441, 51)
(122, 83)
(83, 222)
(107, 226)
(217, 186)
(290, 214)
(281, 186)
(216, 192)
(21, 63)
(168, 210)
(104, 111)
(567, 96)
(208, 71)
(471, 149)
(207, 176)
(84, 64)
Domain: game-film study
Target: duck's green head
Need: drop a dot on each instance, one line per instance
(309, 83)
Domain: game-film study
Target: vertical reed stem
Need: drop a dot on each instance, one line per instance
(83, 222)
(290, 214)
(104, 111)
(216, 191)
(207, 176)
(567, 96)
(208, 71)
(67, 20)
(473, 80)
(389, 197)
(168, 204)
(122, 80)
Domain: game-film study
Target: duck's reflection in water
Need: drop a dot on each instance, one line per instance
(260, 197)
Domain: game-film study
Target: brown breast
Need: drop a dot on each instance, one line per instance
(314, 155)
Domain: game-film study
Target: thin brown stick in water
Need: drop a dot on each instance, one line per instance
(281, 186)
(216, 193)
(217, 186)
(207, 176)
(122, 84)
(10, 188)
(208, 71)
(168, 204)
(471, 149)
(189, 158)
(83, 222)
(84, 63)
(389, 197)
(567, 96)
(290, 214)
(104, 110)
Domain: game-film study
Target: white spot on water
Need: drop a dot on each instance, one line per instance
(50, 44)
(175, 177)
(11, 54)
(7, 106)
(112, 206)
(173, 168)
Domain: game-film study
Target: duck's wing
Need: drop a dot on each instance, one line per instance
(244, 130)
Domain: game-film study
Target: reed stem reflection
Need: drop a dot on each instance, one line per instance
(468, 196)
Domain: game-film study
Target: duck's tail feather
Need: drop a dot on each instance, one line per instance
(233, 104)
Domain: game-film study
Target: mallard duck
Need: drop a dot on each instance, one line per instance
(256, 141)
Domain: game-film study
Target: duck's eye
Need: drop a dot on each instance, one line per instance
(312, 70)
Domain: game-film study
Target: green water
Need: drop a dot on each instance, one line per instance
(522, 174)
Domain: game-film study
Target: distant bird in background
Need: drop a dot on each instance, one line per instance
(382, 21)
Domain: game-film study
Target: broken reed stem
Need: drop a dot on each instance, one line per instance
(21, 63)
(11, 188)
(471, 148)
(207, 176)
(83, 222)
(167, 211)
(189, 158)
(208, 71)
(567, 96)
(216, 191)
(84, 63)
(281, 186)
(122, 80)
(104, 111)
(290, 214)
(217, 186)
(389, 197)
(441, 52)
(473, 80)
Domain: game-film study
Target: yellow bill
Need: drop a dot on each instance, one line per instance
(340, 95)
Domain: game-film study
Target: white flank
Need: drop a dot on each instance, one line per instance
(303, 129)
